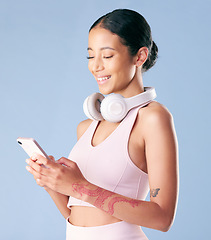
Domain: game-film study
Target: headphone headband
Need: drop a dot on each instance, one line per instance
(143, 98)
(114, 107)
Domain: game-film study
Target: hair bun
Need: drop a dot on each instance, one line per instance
(152, 58)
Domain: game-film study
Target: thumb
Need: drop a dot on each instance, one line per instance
(66, 162)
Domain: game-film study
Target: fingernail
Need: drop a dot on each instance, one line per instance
(33, 157)
(27, 161)
(27, 168)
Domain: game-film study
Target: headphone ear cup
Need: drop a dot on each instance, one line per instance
(113, 108)
(91, 106)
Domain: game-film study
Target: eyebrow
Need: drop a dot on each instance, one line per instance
(103, 48)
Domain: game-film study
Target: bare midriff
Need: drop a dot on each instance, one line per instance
(90, 217)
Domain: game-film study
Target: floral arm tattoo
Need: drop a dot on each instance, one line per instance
(154, 192)
(102, 195)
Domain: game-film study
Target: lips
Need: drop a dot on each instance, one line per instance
(102, 79)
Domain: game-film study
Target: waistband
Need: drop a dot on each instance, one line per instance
(115, 231)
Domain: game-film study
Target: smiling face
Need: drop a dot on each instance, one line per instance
(111, 64)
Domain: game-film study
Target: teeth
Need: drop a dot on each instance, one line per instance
(103, 78)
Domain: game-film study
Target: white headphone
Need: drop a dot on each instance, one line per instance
(114, 107)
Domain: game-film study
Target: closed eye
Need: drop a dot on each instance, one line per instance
(108, 57)
(103, 57)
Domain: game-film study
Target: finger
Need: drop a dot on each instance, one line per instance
(66, 162)
(35, 159)
(43, 160)
(33, 172)
(52, 158)
(41, 183)
(36, 166)
(40, 179)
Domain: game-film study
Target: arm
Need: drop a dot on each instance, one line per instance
(59, 199)
(162, 161)
(161, 154)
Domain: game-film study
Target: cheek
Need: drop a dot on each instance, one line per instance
(130, 69)
(126, 70)
(89, 67)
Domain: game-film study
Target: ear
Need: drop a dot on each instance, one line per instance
(141, 56)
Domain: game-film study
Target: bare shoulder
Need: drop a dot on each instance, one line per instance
(155, 110)
(154, 115)
(82, 127)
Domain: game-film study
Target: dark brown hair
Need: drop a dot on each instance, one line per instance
(133, 30)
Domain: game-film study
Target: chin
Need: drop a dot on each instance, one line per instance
(105, 91)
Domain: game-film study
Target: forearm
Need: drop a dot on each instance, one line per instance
(142, 213)
(69, 181)
(61, 202)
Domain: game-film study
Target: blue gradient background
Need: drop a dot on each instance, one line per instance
(44, 80)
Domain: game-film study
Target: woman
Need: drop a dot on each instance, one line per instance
(110, 169)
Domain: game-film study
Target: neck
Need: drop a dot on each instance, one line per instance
(134, 87)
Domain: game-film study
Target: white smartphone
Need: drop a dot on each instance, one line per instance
(31, 146)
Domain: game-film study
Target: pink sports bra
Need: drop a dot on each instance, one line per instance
(108, 165)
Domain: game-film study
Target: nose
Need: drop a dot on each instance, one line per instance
(97, 64)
